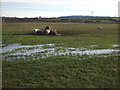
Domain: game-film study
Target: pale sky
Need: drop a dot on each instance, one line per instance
(56, 8)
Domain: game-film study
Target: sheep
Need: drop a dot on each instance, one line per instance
(37, 31)
(48, 27)
(53, 33)
(99, 27)
(47, 30)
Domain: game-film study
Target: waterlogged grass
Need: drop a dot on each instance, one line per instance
(62, 72)
(72, 49)
(44, 51)
(60, 49)
(49, 46)
(3, 46)
(48, 50)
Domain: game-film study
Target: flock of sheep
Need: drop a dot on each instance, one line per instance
(49, 31)
(46, 31)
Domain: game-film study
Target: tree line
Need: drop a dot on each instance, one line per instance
(64, 19)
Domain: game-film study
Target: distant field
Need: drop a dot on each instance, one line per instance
(63, 28)
(73, 34)
(62, 71)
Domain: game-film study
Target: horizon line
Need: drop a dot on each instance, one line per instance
(53, 16)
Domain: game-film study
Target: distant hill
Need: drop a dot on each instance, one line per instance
(81, 16)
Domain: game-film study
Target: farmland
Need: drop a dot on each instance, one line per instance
(62, 71)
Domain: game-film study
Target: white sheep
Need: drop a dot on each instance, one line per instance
(99, 27)
(36, 30)
(47, 31)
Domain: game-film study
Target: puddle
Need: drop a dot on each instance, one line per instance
(116, 45)
(18, 46)
(93, 45)
(17, 51)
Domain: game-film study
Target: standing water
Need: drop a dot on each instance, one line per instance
(17, 51)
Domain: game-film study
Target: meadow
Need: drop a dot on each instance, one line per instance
(62, 71)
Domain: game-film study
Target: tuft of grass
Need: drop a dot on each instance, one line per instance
(48, 46)
(70, 49)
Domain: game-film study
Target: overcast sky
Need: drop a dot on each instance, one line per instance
(56, 8)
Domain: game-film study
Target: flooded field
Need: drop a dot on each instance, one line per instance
(82, 57)
(17, 51)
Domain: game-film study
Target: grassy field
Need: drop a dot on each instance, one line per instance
(62, 71)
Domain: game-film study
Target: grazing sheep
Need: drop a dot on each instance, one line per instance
(53, 33)
(48, 27)
(37, 31)
(47, 30)
(99, 27)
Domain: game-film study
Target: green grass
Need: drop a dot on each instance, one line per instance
(48, 46)
(64, 71)
(73, 34)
